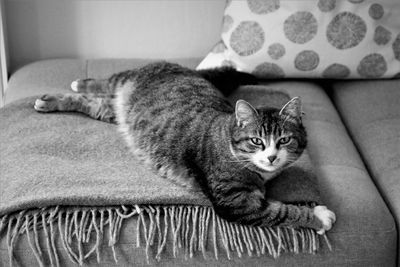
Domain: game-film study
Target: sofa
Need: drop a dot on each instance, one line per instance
(354, 143)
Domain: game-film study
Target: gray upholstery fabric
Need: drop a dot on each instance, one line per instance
(371, 111)
(52, 76)
(365, 233)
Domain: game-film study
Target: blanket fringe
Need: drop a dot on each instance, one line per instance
(187, 227)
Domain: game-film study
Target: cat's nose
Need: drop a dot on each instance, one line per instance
(272, 158)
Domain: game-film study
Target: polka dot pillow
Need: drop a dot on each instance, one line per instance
(342, 39)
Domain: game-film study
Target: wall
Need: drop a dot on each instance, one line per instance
(3, 55)
(42, 29)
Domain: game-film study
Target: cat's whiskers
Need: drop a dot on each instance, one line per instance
(237, 160)
(290, 160)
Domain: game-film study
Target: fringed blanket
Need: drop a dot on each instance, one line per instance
(69, 182)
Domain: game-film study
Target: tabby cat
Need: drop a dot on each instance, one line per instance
(178, 121)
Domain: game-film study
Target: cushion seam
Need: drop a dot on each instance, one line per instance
(86, 68)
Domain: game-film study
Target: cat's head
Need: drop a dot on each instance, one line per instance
(268, 139)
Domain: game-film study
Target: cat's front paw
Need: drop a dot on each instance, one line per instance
(327, 217)
(46, 103)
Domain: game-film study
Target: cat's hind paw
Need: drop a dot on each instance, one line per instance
(75, 85)
(46, 103)
(327, 218)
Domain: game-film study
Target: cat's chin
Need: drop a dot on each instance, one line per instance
(266, 169)
(270, 168)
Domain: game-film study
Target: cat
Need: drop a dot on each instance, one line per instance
(177, 120)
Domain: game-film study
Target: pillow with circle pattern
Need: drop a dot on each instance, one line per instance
(339, 39)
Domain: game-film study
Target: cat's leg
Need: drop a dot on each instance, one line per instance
(102, 87)
(99, 108)
(248, 205)
(98, 87)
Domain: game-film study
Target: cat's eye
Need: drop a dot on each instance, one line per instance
(256, 141)
(285, 140)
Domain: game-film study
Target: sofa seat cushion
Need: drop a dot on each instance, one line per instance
(364, 234)
(371, 112)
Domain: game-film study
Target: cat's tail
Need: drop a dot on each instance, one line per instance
(227, 79)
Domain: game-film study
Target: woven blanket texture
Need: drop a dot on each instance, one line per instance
(74, 179)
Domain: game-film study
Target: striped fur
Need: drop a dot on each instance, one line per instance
(178, 121)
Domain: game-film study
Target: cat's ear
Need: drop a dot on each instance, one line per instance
(292, 108)
(245, 113)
